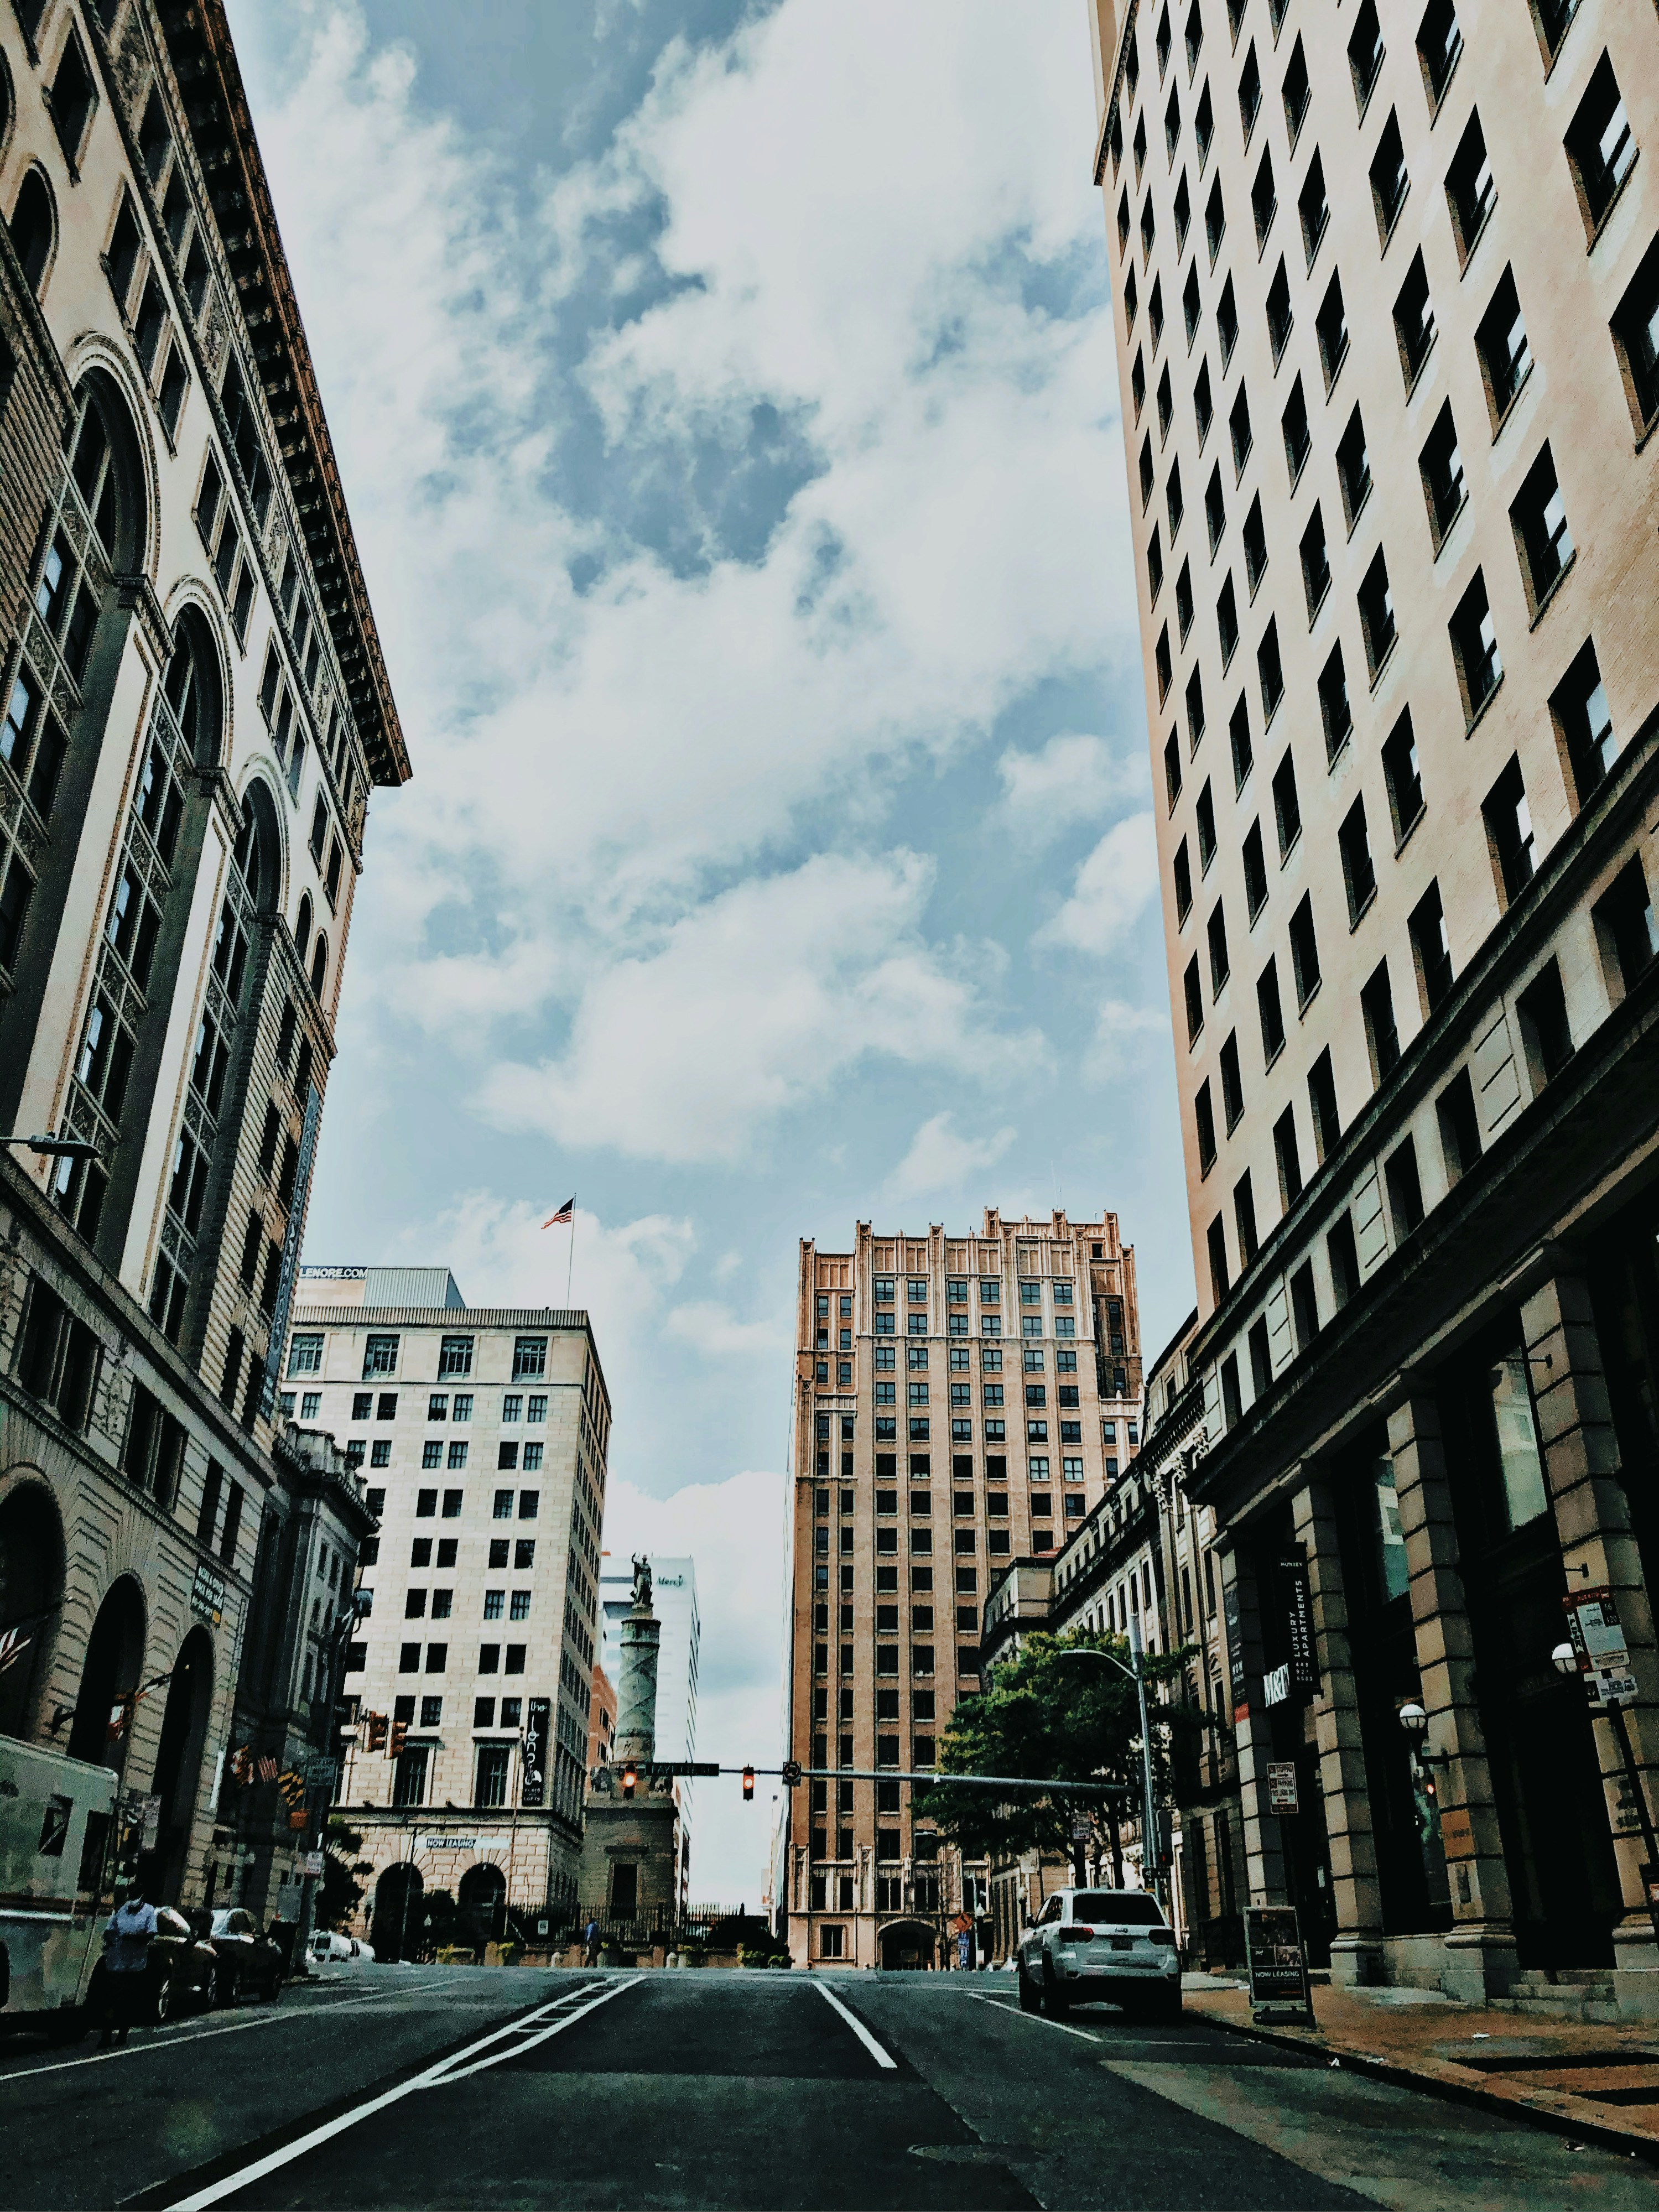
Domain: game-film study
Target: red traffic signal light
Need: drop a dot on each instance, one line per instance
(394, 1747)
(748, 1785)
(628, 1778)
(375, 1739)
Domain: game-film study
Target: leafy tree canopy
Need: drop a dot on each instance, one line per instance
(341, 1892)
(1052, 1718)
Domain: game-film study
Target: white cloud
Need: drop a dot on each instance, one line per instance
(1123, 1035)
(939, 1160)
(715, 1330)
(592, 767)
(778, 985)
(1111, 889)
(1070, 780)
(735, 1531)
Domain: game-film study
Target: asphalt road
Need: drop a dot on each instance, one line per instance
(413, 2085)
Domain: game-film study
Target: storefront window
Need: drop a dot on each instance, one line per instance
(1520, 1463)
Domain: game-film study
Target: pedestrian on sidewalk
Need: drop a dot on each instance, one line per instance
(590, 1938)
(127, 1937)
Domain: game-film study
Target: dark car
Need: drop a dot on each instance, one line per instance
(246, 1958)
(179, 1971)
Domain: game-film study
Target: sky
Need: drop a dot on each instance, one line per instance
(726, 401)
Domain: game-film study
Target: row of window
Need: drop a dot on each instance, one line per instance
(416, 1604)
(433, 1659)
(381, 1355)
(1627, 932)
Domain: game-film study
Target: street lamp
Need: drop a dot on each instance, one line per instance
(1415, 1723)
(1136, 1674)
(57, 1148)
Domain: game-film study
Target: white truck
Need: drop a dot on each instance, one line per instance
(55, 1820)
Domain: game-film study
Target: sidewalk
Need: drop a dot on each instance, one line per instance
(1594, 2083)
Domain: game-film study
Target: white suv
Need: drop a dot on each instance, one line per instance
(1088, 1945)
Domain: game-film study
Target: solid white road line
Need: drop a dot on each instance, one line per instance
(444, 2069)
(882, 2057)
(1040, 2018)
(272, 2019)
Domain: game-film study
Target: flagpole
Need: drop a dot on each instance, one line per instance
(570, 1268)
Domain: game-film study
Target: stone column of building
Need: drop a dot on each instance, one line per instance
(1356, 1949)
(1592, 1519)
(1481, 1948)
(1264, 1850)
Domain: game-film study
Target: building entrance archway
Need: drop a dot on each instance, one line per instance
(31, 1594)
(113, 1663)
(482, 1898)
(178, 1757)
(907, 1947)
(398, 1923)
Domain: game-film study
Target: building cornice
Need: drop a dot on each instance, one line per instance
(222, 126)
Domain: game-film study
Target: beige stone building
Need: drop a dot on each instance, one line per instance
(960, 1401)
(481, 1436)
(1402, 717)
(193, 707)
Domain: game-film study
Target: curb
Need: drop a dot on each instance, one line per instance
(1607, 2135)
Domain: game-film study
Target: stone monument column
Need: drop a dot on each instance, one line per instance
(636, 1693)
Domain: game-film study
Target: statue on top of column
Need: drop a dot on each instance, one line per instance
(641, 1581)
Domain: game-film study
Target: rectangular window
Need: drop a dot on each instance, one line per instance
(1376, 621)
(1440, 465)
(1539, 519)
(1288, 1157)
(306, 1354)
(1321, 1098)
(529, 1358)
(1583, 724)
(1413, 321)
(1431, 948)
(1545, 1030)
(1439, 47)
(1400, 773)
(1376, 1004)
(1244, 1220)
(1509, 833)
(380, 1356)
(1315, 563)
(1314, 210)
(1331, 327)
(1297, 437)
(455, 1356)
(1474, 647)
(1405, 1190)
(1601, 148)
(1359, 875)
(1271, 1011)
(1459, 1125)
(1626, 926)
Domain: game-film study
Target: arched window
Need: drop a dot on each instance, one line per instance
(319, 964)
(302, 928)
(34, 228)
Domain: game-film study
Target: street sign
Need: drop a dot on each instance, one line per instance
(311, 1862)
(1598, 1642)
(1276, 1963)
(207, 1596)
(1281, 1786)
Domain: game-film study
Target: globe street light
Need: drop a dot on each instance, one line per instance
(1136, 1674)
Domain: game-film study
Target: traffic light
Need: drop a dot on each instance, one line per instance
(629, 1777)
(377, 1732)
(395, 1744)
(748, 1785)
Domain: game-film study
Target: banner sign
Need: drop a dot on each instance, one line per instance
(1598, 1642)
(1275, 1960)
(1298, 1617)
(534, 1789)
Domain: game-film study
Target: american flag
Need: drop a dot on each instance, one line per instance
(12, 1646)
(565, 1213)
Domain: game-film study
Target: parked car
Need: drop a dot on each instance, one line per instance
(328, 1944)
(180, 1971)
(1089, 1946)
(246, 1958)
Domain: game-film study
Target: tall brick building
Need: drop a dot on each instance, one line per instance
(1403, 732)
(195, 708)
(960, 1402)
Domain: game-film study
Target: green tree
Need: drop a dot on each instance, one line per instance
(1057, 1720)
(341, 1892)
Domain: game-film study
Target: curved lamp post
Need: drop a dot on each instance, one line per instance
(1136, 1674)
